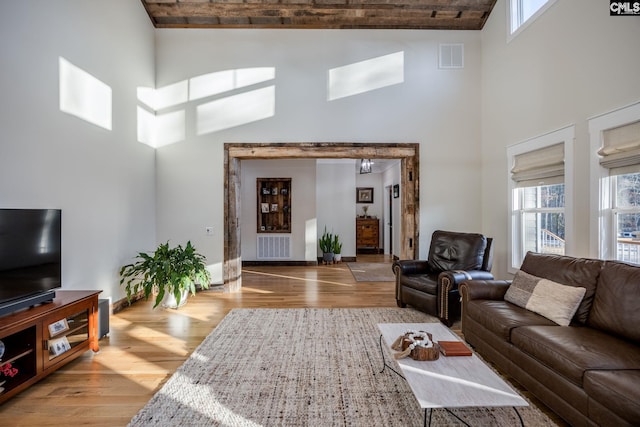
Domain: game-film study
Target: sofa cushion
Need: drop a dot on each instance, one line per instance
(617, 390)
(500, 317)
(552, 300)
(427, 283)
(456, 251)
(616, 306)
(572, 351)
(580, 272)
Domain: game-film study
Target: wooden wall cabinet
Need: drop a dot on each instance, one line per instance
(41, 339)
(274, 205)
(367, 233)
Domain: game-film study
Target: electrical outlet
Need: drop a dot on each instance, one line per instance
(209, 231)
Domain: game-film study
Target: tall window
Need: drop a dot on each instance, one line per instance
(522, 12)
(542, 218)
(619, 161)
(626, 213)
(538, 195)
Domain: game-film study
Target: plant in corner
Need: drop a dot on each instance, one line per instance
(337, 248)
(326, 246)
(172, 272)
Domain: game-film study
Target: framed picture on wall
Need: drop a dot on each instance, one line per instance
(364, 195)
(396, 191)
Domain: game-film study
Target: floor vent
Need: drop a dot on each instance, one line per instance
(451, 55)
(274, 246)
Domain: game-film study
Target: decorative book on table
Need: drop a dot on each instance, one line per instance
(454, 348)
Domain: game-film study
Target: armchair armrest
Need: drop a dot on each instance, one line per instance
(410, 266)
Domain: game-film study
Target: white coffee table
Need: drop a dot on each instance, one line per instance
(449, 382)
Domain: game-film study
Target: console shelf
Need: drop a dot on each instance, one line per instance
(274, 205)
(41, 339)
(17, 357)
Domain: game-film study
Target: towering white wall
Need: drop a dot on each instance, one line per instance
(440, 109)
(103, 180)
(573, 63)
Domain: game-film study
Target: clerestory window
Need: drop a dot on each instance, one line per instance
(523, 12)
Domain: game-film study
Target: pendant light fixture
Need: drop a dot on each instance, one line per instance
(365, 165)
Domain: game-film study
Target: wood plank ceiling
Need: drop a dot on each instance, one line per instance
(321, 14)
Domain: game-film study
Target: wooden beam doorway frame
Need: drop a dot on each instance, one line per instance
(234, 153)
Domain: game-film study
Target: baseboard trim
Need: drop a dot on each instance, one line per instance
(123, 303)
(279, 263)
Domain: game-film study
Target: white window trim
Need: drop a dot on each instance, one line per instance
(521, 28)
(566, 136)
(600, 239)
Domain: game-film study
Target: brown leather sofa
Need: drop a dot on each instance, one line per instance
(431, 285)
(587, 372)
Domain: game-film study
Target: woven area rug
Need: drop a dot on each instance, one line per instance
(371, 272)
(302, 367)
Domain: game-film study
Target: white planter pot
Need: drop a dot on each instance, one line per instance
(337, 257)
(169, 300)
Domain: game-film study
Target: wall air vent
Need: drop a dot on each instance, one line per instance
(451, 55)
(273, 246)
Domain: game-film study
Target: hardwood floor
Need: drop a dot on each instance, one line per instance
(146, 346)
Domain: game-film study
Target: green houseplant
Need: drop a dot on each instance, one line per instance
(337, 248)
(168, 272)
(326, 246)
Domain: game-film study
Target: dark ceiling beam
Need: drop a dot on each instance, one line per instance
(356, 14)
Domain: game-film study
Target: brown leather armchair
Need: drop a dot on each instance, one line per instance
(432, 285)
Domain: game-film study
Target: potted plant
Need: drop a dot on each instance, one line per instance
(169, 273)
(337, 249)
(326, 246)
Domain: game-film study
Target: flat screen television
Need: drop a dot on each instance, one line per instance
(30, 257)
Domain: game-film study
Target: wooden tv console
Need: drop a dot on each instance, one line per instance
(41, 339)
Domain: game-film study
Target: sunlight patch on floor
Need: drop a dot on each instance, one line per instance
(256, 291)
(296, 278)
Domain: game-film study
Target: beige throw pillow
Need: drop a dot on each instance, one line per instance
(547, 298)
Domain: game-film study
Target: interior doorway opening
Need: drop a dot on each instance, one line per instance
(234, 153)
(388, 219)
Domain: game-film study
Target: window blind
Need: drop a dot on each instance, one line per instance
(544, 166)
(620, 152)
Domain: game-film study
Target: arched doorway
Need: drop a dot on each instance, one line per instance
(234, 153)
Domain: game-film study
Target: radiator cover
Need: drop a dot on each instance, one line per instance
(273, 246)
